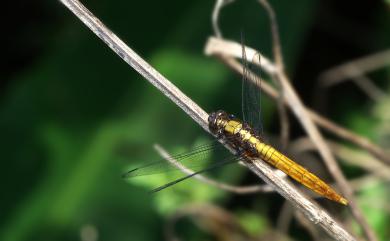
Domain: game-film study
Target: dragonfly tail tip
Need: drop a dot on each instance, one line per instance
(343, 201)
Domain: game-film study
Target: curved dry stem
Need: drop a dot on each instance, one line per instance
(298, 200)
(219, 4)
(276, 46)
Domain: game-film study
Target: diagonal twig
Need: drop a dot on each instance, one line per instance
(297, 199)
(333, 77)
(356, 70)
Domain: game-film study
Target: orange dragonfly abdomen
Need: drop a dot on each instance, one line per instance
(297, 172)
(242, 137)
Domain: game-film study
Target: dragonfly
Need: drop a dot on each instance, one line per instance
(245, 139)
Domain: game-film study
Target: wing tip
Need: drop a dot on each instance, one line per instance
(129, 173)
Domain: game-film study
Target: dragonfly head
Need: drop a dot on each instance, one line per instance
(217, 121)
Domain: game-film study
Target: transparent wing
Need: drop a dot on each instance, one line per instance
(251, 94)
(196, 159)
(215, 165)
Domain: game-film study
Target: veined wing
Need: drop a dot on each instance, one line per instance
(251, 94)
(197, 158)
(215, 165)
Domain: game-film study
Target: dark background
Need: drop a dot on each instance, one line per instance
(74, 116)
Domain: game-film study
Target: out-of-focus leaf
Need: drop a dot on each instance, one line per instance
(253, 222)
(375, 207)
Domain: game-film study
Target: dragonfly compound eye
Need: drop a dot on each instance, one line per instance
(213, 122)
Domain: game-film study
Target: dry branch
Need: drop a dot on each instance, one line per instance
(355, 68)
(285, 188)
(356, 71)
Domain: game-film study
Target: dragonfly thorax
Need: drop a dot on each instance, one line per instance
(237, 133)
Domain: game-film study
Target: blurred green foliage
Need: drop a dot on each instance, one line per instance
(65, 116)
